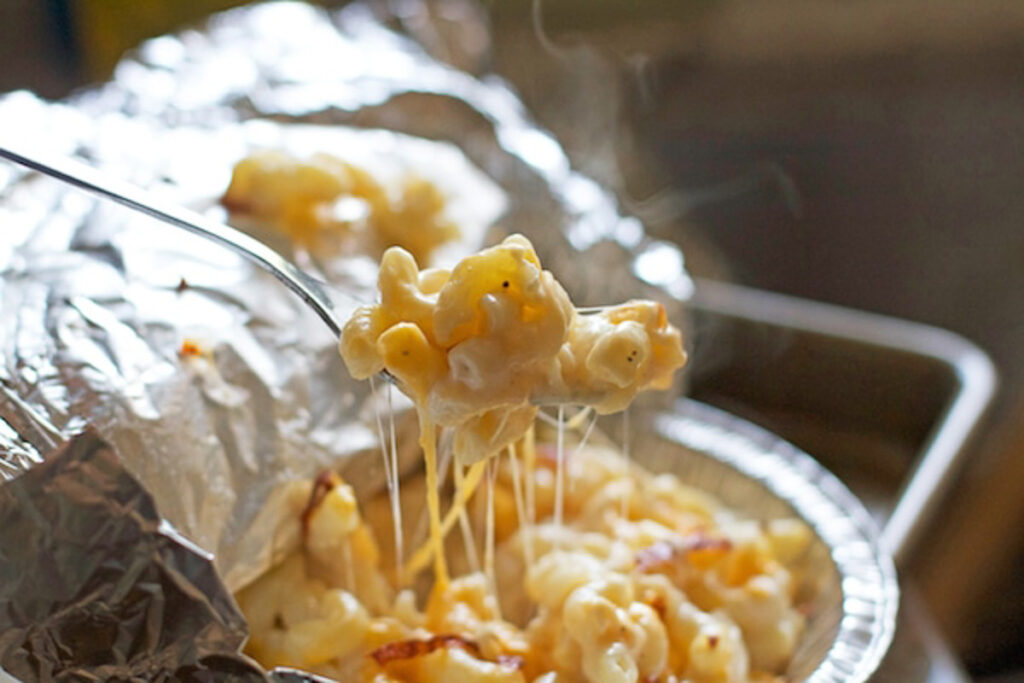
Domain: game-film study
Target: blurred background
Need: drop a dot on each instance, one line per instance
(868, 154)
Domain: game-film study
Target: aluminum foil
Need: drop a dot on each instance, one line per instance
(93, 593)
(96, 301)
(848, 579)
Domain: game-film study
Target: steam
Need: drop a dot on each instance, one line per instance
(584, 104)
(670, 204)
(548, 45)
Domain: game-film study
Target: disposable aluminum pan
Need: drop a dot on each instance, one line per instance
(849, 580)
(846, 582)
(198, 453)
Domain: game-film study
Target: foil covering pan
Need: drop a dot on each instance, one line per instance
(97, 302)
(92, 593)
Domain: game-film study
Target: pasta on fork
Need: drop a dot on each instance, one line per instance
(594, 569)
(478, 347)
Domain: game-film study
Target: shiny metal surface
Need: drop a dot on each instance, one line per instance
(55, 509)
(929, 388)
(96, 182)
(97, 301)
(848, 573)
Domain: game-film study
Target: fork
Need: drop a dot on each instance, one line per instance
(308, 288)
(88, 178)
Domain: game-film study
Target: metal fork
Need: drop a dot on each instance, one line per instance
(87, 178)
(309, 289)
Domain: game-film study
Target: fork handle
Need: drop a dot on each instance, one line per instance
(96, 182)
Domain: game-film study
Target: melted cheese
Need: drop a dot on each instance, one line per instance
(477, 348)
(601, 584)
(323, 198)
(465, 487)
(681, 589)
(429, 446)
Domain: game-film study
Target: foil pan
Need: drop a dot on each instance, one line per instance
(849, 580)
(97, 302)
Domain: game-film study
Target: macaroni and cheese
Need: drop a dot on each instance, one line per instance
(646, 579)
(478, 347)
(323, 199)
(593, 569)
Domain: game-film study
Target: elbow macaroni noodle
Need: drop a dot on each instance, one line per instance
(477, 347)
(636, 578)
(673, 588)
(324, 199)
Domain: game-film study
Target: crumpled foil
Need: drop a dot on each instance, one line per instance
(97, 301)
(108, 593)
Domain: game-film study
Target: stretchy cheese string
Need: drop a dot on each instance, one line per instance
(444, 449)
(480, 513)
(436, 543)
(581, 445)
(574, 422)
(530, 473)
(467, 531)
(422, 556)
(521, 514)
(560, 468)
(492, 471)
(390, 472)
(396, 497)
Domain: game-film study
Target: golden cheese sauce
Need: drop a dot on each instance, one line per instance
(476, 347)
(479, 346)
(582, 577)
(323, 198)
(676, 588)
